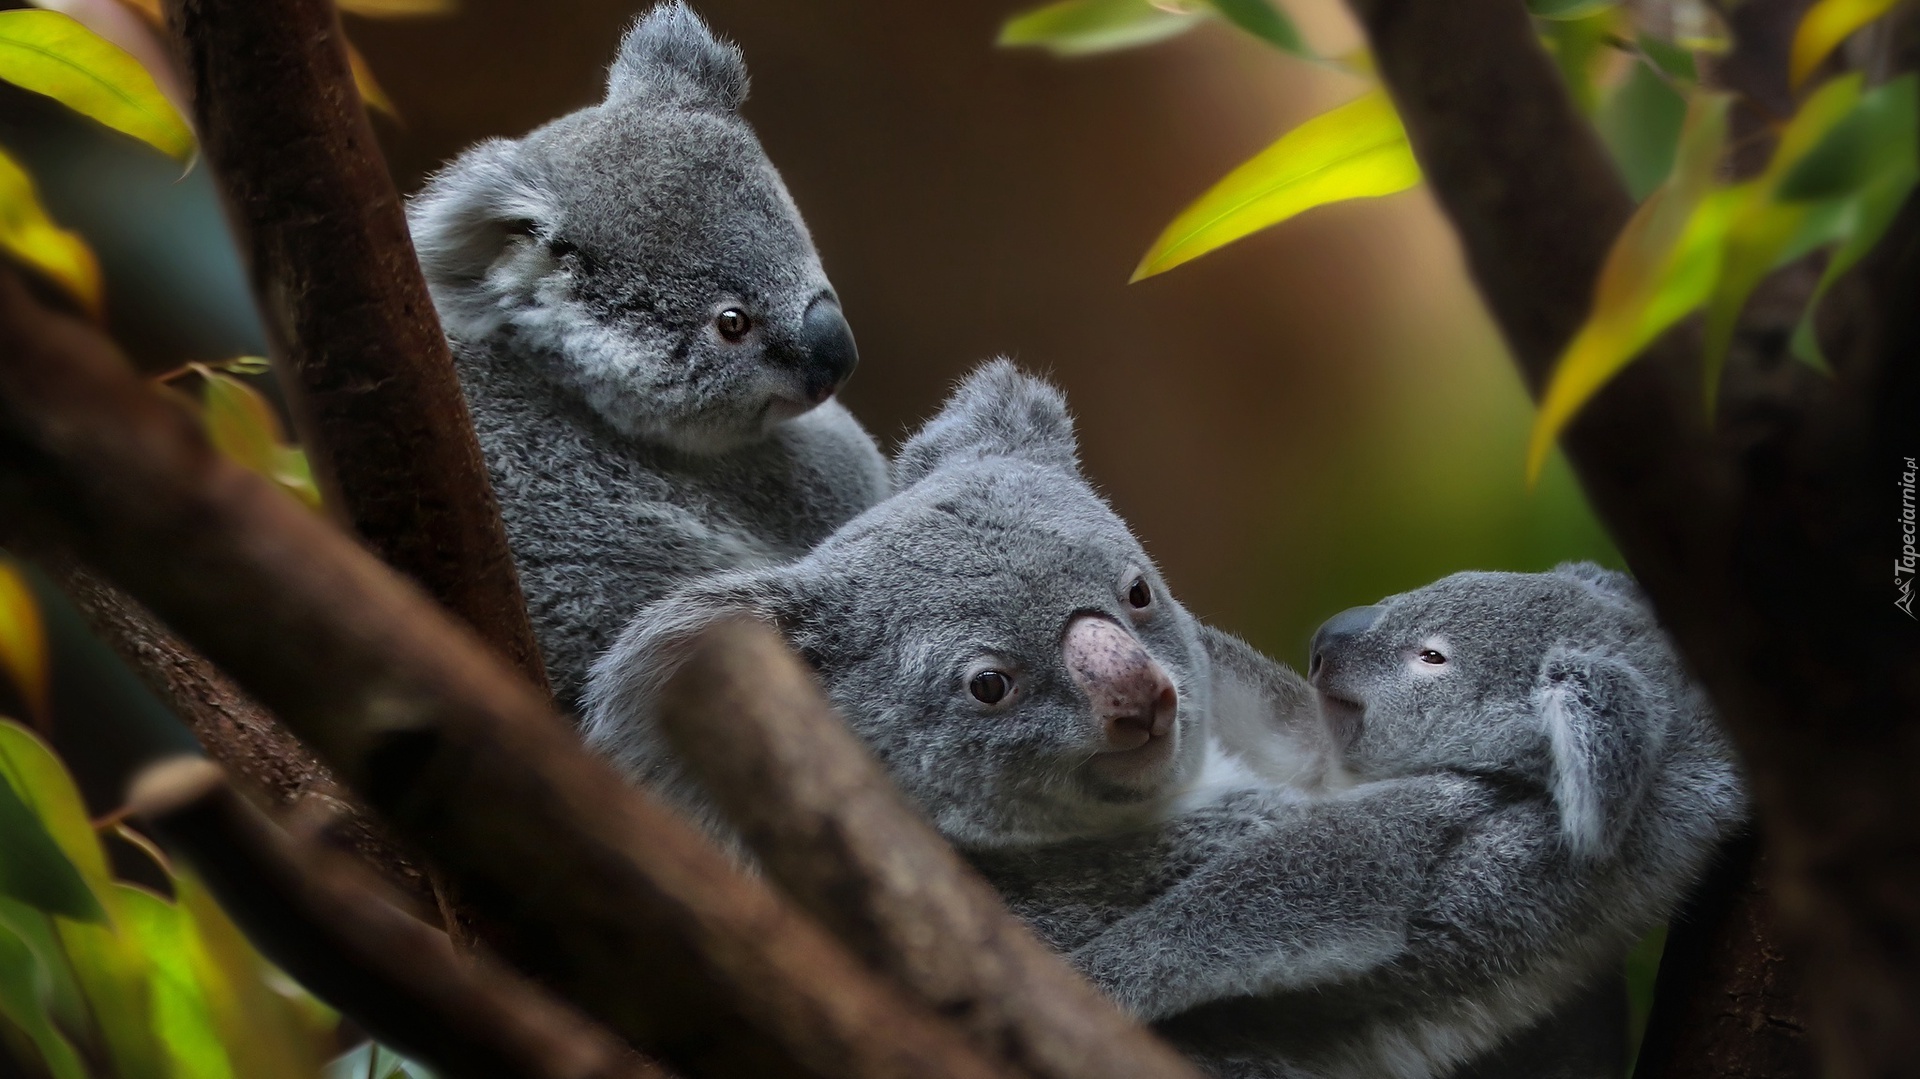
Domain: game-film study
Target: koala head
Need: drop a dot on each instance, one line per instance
(1557, 680)
(993, 632)
(642, 252)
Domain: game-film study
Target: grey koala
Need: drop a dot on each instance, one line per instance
(647, 341)
(1398, 870)
(996, 634)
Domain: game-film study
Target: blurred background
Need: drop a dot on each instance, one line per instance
(1304, 421)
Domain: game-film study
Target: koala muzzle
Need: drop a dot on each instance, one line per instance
(1335, 632)
(1329, 660)
(827, 352)
(1132, 697)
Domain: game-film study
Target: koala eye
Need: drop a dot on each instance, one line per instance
(1431, 657)
(520, 226)
(990, 687)
(1140, 594)
(732, 323)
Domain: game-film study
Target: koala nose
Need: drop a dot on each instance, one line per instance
(1132, 696)
(827, 351)
(1336, 631)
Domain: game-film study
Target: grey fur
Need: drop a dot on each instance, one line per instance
(1393, 886)
(579, 271)
(990, 546)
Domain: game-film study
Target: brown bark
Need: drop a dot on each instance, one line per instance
(354, 335)
(605, 896)
(1764, 542)
(314, 915)
(1728, 1003)
(837, 835)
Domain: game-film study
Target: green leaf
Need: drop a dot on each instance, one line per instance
(1568, 9)
(1825, 25)
(1578, 44)
(24, 661)
(1081, 27)
(182, 1017)
(1663, 264)
(23, 1001)
(1868, 214)
(265, 1031)
(1764, 226)
(32, 868)
(242, 425)
(28, 234)
(1673, 60)
(1358, 150)
(51, 54)
(1640, 123)
(1874, 140)
(1264, 21)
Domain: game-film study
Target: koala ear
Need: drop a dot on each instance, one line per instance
(1605, 724)
(623, 690)
(996, 412)
(467, 213)
(1610, 584)
(669, 54)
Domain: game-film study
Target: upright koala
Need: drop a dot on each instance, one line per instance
(647, 340)
(1493, 786)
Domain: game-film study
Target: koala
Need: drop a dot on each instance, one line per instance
(1414, 862)
(1535, 785)
(998, 637)
(647, 341)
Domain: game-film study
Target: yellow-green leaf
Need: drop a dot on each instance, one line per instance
(241, 423)
(1663, 265)
(23, 643)
(34, 870)
(30, 236)
(1265, 21)
(372, 94)
(51, 54)
(1825, 25)
(181, 1018)
(398, 9)
(265, 1031)
(1763, 226)
(1356, 151)
(1080, 27)
(23, 1002)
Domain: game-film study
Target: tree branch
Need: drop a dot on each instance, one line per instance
(834, 831)
(1765, 544)
(364, 363)
(605, 896)
(317, 919)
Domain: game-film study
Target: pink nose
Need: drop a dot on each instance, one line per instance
(1132, 696)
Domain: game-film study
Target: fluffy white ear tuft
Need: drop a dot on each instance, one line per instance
(1605, 725)
(468, 211)
(995, 412)
(670, 55)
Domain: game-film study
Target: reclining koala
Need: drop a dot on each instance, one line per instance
(965, 625)
(1453, 854)
(647, 341)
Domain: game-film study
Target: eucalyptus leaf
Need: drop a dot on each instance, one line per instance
(28, 234)
(1082, 27)
(33, 869)
(23, 993)
(1640, 124)
(52, 54)
(1264, 21)
(1825, 25)
(1358, 150)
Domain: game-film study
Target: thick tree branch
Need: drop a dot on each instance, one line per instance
(358, 345)
(317, 919)
(606, 896)
(830, 827)
(1766, 544)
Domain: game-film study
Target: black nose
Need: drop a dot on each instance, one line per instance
(1337, 630)
(827, 351)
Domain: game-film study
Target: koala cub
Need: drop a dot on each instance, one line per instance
(997, 636)
(648, 343)
(1537, 784)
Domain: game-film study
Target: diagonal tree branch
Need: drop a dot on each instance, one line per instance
(317, 919)
(830, 827)
(1765, 543)
(604, 895)
(354, 334)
